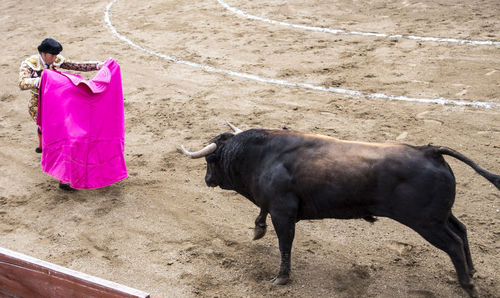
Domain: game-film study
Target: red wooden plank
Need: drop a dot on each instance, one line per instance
(24, 276)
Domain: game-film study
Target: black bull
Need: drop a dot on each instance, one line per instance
(294, 176)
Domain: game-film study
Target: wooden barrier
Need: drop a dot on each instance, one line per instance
(24, 276)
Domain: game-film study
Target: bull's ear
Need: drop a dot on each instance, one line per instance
(222, 138)
(226, 136)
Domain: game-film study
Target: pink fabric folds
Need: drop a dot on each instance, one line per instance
(82, 124)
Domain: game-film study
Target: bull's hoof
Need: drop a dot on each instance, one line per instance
(470, 289)
(472, 272)
(258, 232)
(279, 281)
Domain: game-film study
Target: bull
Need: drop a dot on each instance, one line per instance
(296, 176)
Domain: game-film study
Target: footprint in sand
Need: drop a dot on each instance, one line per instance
(422, 116)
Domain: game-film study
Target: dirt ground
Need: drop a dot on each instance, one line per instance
(164, 231)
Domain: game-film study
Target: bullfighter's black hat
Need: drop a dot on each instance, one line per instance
(51, 46)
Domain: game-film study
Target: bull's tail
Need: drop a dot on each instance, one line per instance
(495, 179)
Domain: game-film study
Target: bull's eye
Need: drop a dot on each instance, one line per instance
(211, 158)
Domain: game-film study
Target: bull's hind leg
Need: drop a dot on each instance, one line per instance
(460, 229)
(260, 225)
(442, 237)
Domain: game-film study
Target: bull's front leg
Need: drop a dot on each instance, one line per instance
(284, 225)
(260, 225)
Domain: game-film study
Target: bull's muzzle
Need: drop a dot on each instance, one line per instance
(210, 182)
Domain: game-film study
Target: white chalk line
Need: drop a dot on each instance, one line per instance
(442, 101)
(340, 31)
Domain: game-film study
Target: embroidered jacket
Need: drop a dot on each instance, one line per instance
(31, 70)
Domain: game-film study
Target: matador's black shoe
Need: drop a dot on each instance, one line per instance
(66, 187)
(38, 150)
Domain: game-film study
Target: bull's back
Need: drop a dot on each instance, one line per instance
(340, 179)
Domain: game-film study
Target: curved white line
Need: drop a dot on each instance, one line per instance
(340, 31)
(353, 93)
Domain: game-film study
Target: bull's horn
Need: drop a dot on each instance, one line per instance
(203, 152)
(234, 128)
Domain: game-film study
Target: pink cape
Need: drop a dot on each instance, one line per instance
(82, 124)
